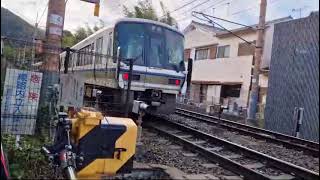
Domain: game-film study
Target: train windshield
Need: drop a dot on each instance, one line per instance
(151, 45)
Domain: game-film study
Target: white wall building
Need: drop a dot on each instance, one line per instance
(222, 63)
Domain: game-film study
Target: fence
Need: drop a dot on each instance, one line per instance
(85, 75)
(203, 103)
(294, 77)
(24, 85)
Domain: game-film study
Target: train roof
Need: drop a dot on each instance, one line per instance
(138, 20)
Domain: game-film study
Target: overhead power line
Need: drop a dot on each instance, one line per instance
(192, 8)
(202, 10)
(207, 18)
(44, 10)
(232, 22)
(183, 6)
(188, 3)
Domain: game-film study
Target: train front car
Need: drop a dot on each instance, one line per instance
(158, 70)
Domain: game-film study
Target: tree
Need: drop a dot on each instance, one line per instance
(68, 39)
(81, 33)
(167, 18)
(145, 10)
(89, 31)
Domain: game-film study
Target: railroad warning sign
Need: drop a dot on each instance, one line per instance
(20, 101)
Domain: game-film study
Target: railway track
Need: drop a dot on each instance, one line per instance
(290, 142)
(241, 160)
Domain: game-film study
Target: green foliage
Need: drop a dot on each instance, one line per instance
(26, 162)
(145, 10)
(68, 39)
(167, 18)
(81, 33)
(9, 52)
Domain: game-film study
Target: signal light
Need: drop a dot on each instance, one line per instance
(177, 82)
(125, 76)
(96, 10)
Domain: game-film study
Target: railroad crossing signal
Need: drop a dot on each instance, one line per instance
(96, 10)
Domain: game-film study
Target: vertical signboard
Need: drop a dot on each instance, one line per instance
(20, 101)
(72, 90)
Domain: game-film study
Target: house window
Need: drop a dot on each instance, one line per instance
(223, 51)
(230, 91)
(85, 56)
(202, 54)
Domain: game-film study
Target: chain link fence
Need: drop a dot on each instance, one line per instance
(23, 85)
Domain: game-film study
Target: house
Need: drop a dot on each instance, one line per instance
(293, 91)
(222, 64)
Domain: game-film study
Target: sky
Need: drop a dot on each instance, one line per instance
(79, 13)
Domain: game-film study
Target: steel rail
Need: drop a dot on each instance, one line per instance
(271, 161)
(215, 157)
(309, 147)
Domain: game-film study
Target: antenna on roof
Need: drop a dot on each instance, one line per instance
(299, 10)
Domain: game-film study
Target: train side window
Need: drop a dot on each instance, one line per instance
(109, 45)
(91, 53)
(99, 44)
(70, 60)
(78, 58)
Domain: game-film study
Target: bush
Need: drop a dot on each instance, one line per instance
(27, 161)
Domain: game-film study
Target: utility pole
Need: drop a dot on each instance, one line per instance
(53, 36)
(228, 8)
(254, 94)
(54, 29)
(34, 41)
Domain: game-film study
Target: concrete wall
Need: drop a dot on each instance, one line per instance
(226, 70)
(198, 37)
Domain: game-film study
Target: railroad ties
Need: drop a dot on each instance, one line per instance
(306, 146)
(246, 162)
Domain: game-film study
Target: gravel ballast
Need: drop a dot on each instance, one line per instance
(290, 155)
(157, 149)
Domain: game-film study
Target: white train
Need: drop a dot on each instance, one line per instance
(158, 71)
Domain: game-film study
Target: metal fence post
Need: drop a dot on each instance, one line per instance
(129, 87)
